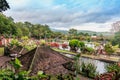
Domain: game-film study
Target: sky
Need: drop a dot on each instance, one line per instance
(93, 15)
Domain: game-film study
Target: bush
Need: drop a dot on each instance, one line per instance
(88, 70)
(109, 49)
(42, 42)
(24, 38)
(54, 44)
(114, 68)
(74, 45)
(29, 47)
(89, 50)
(14, 42)
(64, 46)
(106, 76)
(82, 46)
(6, 74)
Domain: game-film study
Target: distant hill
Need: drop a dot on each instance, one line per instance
(62, 31)
(84, 31)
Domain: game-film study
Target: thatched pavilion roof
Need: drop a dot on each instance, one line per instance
(44, 59)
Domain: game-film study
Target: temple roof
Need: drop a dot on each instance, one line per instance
(44, 59)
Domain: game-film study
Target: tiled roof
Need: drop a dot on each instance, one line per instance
(44, 59)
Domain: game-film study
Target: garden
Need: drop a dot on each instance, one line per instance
(32, 51)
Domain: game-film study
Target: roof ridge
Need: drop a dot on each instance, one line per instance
(33, 59)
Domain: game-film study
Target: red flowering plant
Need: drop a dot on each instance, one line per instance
(54, 44)
(64, 45)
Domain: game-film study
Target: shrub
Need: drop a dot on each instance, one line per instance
(6, 74)
(20, 74)
(64, 46)
(114, 68)
(24, 38)
(88, 70)
(74, 45)
(16, 64)
(54, 44)
(14, 42)
(89, 50)
(106, 76)
(109, 49)
(42, 42)
(82, 46)
(29, 47)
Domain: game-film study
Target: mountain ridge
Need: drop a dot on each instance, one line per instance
(83, 31)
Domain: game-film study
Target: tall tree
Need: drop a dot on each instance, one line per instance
(7, 26)
(3, 5)
(72, 31)
(116, 39)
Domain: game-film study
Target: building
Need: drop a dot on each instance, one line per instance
(45, 59)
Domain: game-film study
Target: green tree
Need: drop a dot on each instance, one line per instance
(40, 31)
(74, 45)
(3, 5)
(22, 27)
(7, 26)
(72, 32)
(116, 39)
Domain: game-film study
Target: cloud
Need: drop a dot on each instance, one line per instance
(62, 14)
(16, 4)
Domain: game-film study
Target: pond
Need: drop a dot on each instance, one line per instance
(99, 64)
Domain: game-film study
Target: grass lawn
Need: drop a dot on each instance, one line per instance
(112, 58)
(1, 51)
(64, 51)
(86, 55)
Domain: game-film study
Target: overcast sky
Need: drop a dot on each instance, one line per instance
(94, 15)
